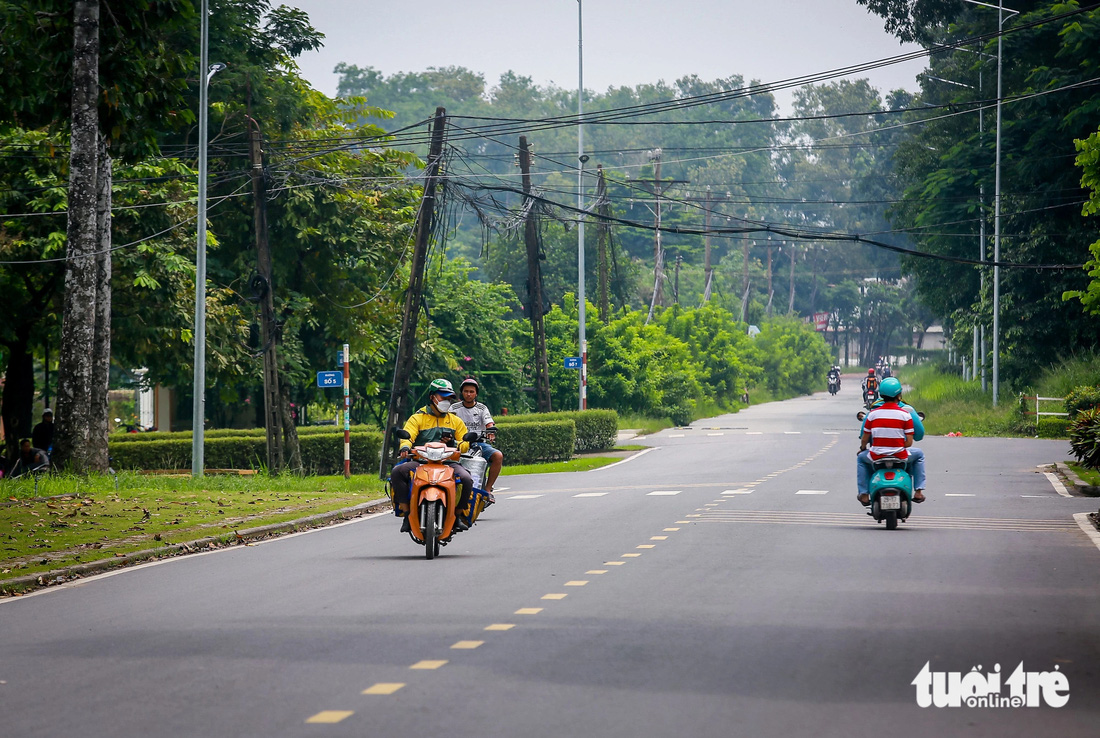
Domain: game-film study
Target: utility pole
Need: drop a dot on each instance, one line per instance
(771, 290)
(790, 305)
(273, 405)
(403, 366)
(675, 282)
(658, 252)
(534, 282)
(602, 237)
(745, 283)
(708, 271)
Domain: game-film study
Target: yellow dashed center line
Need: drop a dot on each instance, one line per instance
(647, 545)
(501, 626)
(557, 596)
(528, 611)
(596, 571)
(330, 716)
(577, 583)
(631, 556)
(658, 538)
(670, 530)
(467, 645)
(427, 664)
(613, 563)
(683, 522)
(383, 688)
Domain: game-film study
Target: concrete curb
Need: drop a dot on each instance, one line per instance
(1077, 485)
(78, 571)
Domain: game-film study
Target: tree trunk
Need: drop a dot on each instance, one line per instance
(101, 350)
(291, 447)
(18, 393)
(79, 316)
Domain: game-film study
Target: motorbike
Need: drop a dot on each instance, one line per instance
(890, 490)
(870, 397)
(834, 384)
(433, 498)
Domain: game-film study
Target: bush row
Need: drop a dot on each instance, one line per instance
(1082, 398)
(322, 453)
(532, 442)
(597, 430)
(303, 430)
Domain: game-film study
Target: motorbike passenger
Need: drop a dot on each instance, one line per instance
(889, 431)
(834, 375)
(433, 422)
(478, 420)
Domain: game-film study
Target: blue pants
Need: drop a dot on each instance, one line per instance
(864, 470)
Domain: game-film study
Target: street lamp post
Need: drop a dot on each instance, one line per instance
(997, 205)
(581, 159)
(206, 72)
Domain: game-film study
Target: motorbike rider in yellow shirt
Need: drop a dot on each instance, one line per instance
(433, 422)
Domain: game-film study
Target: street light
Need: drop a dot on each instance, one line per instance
(199, 387)
(581, 159)
(997, 205)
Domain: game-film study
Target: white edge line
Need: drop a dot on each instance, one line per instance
(628, 458)
(1057, 484)
(1087, 526)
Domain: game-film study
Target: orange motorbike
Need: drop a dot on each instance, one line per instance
(433, 495)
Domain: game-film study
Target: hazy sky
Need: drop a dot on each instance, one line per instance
(626, 42)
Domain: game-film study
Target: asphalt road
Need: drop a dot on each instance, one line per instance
(724, 583)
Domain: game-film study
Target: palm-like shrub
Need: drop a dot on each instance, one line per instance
(1084, 438)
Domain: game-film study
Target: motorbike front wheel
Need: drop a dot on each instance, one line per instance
(429, 518)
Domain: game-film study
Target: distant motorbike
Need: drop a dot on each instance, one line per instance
(834, 384)
(433, 498)
(870, 397)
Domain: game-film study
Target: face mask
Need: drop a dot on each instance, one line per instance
(443, 407)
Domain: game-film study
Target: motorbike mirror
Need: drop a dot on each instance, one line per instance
(920, 415)
(860, 416)
(470, 437)
(402, 434)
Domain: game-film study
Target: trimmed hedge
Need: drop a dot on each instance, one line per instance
(597, 430)
(531, 442)
(1054, 427)
(322, 453)
(303, 430)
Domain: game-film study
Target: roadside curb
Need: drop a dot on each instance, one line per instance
(1078, 486)
(233, 537)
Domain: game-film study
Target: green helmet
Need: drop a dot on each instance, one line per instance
(442, 386)
(890, 388)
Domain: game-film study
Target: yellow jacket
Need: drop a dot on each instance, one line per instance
(423, 424)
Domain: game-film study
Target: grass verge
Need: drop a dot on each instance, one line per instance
(1089, 476)
(75, 520)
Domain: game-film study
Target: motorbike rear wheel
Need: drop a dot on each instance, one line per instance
(891, 519)
(429, 517)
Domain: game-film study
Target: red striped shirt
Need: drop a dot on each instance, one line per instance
(888, 425)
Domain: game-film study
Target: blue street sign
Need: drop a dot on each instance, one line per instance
(330, 379)
(572, 362)
(339, 358)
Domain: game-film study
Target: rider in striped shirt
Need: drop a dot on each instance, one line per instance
(888, 431)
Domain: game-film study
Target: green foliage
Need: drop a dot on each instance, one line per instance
(795, 357)
(1053, 427)
(528, 443)
(946, 163)
(1084, 438)
(322, 453)
(597, 430)
(1081, 398)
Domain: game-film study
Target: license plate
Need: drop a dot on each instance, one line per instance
(889, 502)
